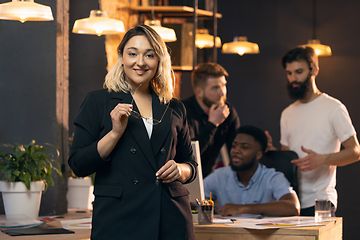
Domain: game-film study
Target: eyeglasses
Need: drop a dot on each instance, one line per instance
(152, 121)
(138, 115)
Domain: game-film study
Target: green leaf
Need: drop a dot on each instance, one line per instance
(27, 180)
(31, 167)
(15, 172)
(7, 174)
(28, 163)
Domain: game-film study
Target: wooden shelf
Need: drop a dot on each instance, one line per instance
(175, 11)
(182, 68)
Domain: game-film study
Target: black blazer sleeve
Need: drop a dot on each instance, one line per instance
(84, 158)
(183, 147)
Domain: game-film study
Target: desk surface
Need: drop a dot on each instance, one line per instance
(330, 231)
(80, 234)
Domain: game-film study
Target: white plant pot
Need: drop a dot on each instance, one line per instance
(19, 202)
(80, 193)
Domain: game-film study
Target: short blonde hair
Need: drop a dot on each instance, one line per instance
(164, 80)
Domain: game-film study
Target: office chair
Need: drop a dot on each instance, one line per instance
(281, 161)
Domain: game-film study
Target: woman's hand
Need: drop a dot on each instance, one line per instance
(119, 117)
(172, 171)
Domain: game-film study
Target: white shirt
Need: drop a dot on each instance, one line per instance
(321, 126)
(148, 126)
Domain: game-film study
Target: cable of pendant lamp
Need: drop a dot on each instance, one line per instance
(167, 34)
(321, 50)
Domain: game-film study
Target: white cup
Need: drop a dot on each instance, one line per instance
(322, 210)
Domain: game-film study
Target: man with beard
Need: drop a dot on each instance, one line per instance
(315, 126)
(212, 120)
(248, 187)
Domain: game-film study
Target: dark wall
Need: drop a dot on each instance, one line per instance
(28, 86)
(87, 59)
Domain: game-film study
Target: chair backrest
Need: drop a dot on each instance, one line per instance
(281, 161)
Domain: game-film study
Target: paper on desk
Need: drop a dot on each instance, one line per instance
(221, 220)
(19, 223)
(235, 218)
(82, 223)
(275, 222)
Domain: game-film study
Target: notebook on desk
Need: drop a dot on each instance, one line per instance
(196, 188)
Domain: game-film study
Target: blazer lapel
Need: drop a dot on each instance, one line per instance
(160, 131)
(137, 128)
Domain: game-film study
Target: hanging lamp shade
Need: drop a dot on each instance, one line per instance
(241, 46)
(204, 40)
(25, 10)
(320, 49)
(167, 34)
(99, 24)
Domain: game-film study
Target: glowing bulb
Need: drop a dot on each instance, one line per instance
(22, 19)
(98, 32)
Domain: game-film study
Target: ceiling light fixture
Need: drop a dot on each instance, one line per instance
(320, 49)
(99, 24)
(167, 34)
(25, 10)
(241, 46)
(204, 40)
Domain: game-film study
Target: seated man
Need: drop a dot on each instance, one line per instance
(246, 186)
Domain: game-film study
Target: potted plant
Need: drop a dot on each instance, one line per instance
(80, 190)
(27, 169)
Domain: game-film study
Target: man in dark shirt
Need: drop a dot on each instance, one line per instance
(212, 120)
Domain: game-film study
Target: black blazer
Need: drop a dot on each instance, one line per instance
(130, 203)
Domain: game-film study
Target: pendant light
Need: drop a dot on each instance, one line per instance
(25, 10)
(320, 49)
(167, 34)
(241, 46)
(99, 24)
(204, 40)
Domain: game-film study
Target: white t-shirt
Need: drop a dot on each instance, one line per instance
(148, 126)
(321, 126)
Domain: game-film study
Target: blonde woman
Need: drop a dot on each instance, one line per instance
(135, 136)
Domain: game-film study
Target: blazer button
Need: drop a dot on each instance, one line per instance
(135, 181)
(157, 182)
(133, 150)
(163, 151)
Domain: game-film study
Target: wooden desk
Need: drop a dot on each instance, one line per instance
(80, 234)
(330, 231)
